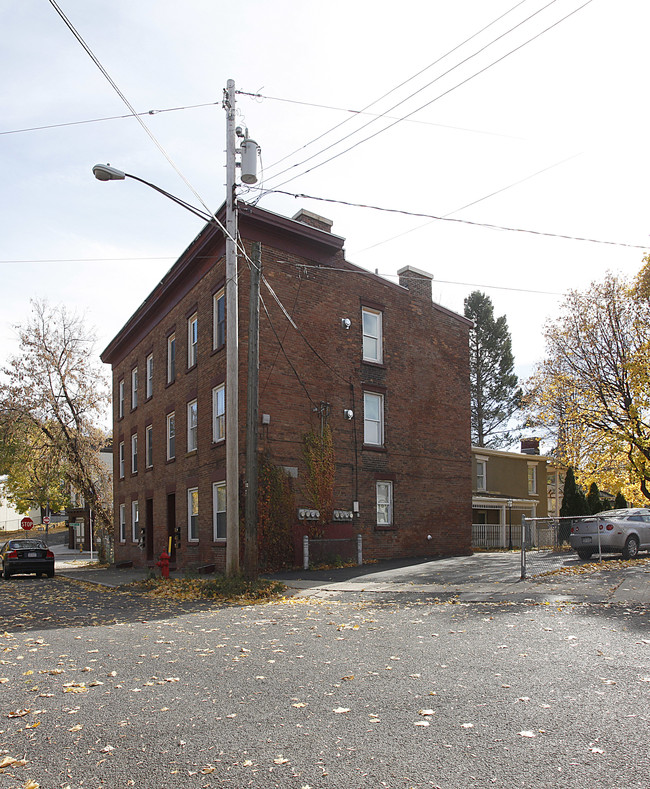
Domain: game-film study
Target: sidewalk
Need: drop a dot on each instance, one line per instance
(480, 578)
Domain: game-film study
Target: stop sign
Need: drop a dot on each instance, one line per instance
(27, 523)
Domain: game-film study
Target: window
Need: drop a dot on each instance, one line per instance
(134, 453)
(120, 399)
(384, 503)
(373, 419)
(192, 340)
(171, 436)
(192, 426)
(121, 456)
(372, 339)
(532, 477)
(193, 514)
(219, 413)
(149, 376)
(135, 522)
(481, 474)
(219, 511)
(122, 522)
(134, 387)
(171, 358)
(148, 445)
(218, 320)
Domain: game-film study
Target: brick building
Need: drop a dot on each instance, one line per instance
(382, 351)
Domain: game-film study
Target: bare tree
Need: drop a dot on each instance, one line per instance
(55, 388)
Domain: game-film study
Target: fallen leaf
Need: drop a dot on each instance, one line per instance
(467, 725)
(18, 714)
(527, 734)
(299, 704)
(280, 760)
(421, 723)
(10, 761)
(340, 710)
(32, 785)
(426, 712)
(597, 750)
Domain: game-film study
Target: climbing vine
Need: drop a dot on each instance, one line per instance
(275, 516)
(318, 450)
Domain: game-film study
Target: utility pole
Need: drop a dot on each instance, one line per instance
(252, 419)
(232, 343)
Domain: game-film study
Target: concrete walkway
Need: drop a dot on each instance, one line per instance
(483, 577)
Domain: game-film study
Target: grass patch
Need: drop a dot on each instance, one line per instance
(218, 587)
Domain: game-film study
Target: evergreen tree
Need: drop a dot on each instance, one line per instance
(619, 501)
(574, 502)
(495, 393)
(593, 499)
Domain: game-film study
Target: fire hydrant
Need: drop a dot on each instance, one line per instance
(164, 564)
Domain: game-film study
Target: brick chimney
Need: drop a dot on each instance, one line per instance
(313, 220)
(530, 446)
(417, 281)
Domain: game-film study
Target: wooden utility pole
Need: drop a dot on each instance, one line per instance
(252, 413)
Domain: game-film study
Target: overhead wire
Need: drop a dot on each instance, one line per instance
(392, 90)
(488, 225)
(106, 118)
(419, 90)
(426, 104)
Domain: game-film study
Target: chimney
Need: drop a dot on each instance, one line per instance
(417, 281)
(530, 446)
(313, 220)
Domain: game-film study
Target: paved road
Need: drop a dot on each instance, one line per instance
(104, 688)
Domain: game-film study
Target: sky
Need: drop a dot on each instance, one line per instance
(524, 115)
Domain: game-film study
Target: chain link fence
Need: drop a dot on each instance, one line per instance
(545, 546)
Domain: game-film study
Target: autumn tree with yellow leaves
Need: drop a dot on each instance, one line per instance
(52, 399)
(592, 391)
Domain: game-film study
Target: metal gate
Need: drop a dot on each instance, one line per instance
(545, 546)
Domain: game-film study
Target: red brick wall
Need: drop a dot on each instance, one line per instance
(424, 379)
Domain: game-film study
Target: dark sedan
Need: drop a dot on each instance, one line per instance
(26, 556)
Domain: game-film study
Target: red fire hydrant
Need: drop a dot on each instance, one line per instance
(164, 564)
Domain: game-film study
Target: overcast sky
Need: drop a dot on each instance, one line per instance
(549, 127)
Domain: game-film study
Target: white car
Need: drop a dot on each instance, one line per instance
(613, 531)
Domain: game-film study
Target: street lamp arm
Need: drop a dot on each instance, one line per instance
(104, 172)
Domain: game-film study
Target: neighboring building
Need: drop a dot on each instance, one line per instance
(382, 351)
(79, 515)
(10, 518)
(507, 485)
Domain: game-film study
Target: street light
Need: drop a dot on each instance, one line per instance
(510, 524)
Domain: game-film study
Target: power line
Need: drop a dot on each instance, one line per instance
(109, 118)
(388, 93)
(487, 225)
(427, 104)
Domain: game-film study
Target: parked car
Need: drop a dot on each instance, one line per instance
(26, 556)
(615, 531)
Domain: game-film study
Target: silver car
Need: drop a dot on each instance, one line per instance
(614, 531)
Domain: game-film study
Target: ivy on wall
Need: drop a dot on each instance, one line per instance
(275, 516)
(318, 449)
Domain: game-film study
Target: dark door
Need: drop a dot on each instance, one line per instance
(148, 525)
(171, 525)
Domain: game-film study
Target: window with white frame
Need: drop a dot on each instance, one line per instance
(122, 522)
(171, 358)
(135, 522)
(219, 511)
(372, 335)
(384, 503)
(192, 426)
(192, 340)
(193, 514)
(134, 387)
(148, 446)
(532, 478)
(149, 387)
(481, 473)
(121, 459)
(219, 413)
(120, 399)
(134, 453)
(373, 419)
(218, 319)
(171, 436)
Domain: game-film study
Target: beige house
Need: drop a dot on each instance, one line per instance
(507, 485)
